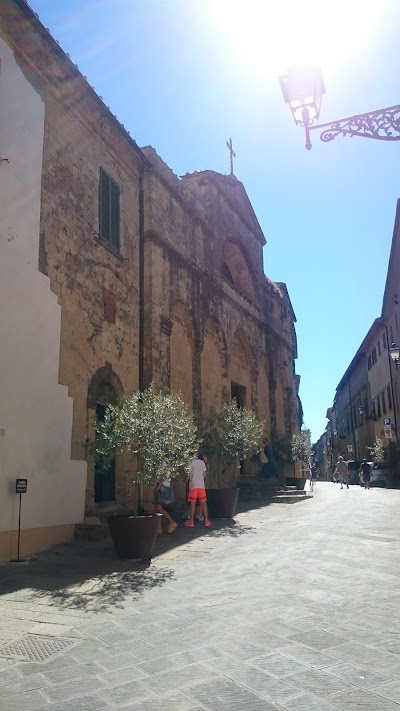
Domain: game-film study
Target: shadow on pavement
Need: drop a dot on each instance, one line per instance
(87, 576)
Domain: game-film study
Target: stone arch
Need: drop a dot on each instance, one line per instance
(102, 378)
(240, 368)
(181, 352)
(236, 268)
(104, 389)
(212, 365)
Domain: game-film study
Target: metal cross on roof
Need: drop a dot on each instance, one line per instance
(232, 153)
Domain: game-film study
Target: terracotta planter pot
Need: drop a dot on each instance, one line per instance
(222, 502)
(300, 483)
(290, 480)
(134, 536)
(294, 481)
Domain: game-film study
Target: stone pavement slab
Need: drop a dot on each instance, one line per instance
(256, 614)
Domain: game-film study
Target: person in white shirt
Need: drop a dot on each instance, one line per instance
(197, 490)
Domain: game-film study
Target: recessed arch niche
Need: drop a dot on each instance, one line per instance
(236, 269)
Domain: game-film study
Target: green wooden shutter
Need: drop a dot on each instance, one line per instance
(114, 214)
(109, 210)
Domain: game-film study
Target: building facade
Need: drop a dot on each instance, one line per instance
(77, 196)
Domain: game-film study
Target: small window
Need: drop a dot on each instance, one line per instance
(384, 340)
(374, 355)
(383, 402)
(369, 362)
(379, 348)
(347, 424)
(109, 210)
(378, 406)
(389, 397)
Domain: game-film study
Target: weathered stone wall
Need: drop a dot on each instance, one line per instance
(96, 284)
(212, 319)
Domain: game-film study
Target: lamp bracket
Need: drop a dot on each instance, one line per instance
(382, 125)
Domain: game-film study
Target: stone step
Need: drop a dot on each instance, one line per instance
(282, 498)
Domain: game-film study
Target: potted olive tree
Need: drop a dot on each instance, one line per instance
(157, 434)
(228, 438)
(289, 450)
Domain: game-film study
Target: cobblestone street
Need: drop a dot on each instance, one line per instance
(293, 607)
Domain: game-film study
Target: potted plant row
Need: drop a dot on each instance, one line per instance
(228, 438)
(156, 433)
(292, 450)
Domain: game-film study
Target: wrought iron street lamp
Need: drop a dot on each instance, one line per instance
(303, 88)
(395, 354)
(371, 417)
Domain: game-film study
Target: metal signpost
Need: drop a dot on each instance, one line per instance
(21, 487)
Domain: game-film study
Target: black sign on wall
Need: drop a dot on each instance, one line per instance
(21, 486)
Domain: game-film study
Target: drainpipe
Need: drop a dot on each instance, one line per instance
(353, 427)
(394, 394)
(141, 279)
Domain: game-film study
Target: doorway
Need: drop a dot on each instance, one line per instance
(104, 480)
(238, 393)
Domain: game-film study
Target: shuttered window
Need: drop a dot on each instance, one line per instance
(109, 210)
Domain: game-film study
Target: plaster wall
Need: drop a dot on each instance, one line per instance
(35, 410)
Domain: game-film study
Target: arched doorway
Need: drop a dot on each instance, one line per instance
(104, 480)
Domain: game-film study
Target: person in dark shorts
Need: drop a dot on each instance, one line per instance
(365, 472)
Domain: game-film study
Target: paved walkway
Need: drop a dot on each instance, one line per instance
(295, 607)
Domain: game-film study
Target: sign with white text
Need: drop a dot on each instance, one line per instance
(21, 486)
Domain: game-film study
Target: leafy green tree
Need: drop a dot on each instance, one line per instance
(155, 429)
(230, 436)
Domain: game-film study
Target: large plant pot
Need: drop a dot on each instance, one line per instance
(222, 502)
(134, 536)
(299, 483)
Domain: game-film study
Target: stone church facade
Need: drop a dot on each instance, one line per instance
(76, 197)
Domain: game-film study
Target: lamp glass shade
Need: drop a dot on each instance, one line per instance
(302, 89)
(394, 352)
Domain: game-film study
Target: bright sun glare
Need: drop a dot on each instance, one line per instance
(271, 35)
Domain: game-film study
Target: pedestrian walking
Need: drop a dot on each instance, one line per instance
(164, 496)
(365, 473)
(264, 472)
(307, 471)
(197, 490)
(313, 475)
(343, 472)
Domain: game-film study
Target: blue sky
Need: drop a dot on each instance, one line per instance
(183, 80)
